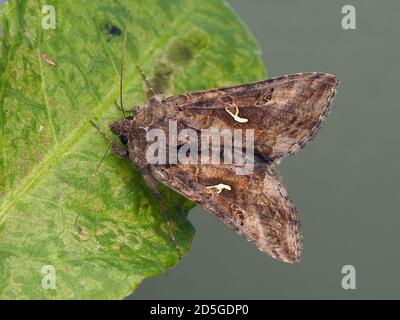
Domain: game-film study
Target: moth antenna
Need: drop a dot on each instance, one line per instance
(121, 73)
(119, 108)
(123, 112)
(146, 81)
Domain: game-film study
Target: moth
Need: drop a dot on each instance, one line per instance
(284, 114)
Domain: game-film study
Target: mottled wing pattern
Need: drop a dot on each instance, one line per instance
(285, 112)
(256, 206)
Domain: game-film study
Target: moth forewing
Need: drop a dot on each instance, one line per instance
(285, 112)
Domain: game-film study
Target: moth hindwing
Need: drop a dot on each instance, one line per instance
(282, 115)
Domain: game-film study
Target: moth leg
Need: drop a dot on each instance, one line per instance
(169, 224)
(152, 183)
(124, 112)
(119, 150)
(120, 108)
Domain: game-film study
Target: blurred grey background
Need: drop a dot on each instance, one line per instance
(345, 184)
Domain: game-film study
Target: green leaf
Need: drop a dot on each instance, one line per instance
(49, 150)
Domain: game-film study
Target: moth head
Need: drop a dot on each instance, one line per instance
(121, 128)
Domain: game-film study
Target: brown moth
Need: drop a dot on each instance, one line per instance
(284, 113)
